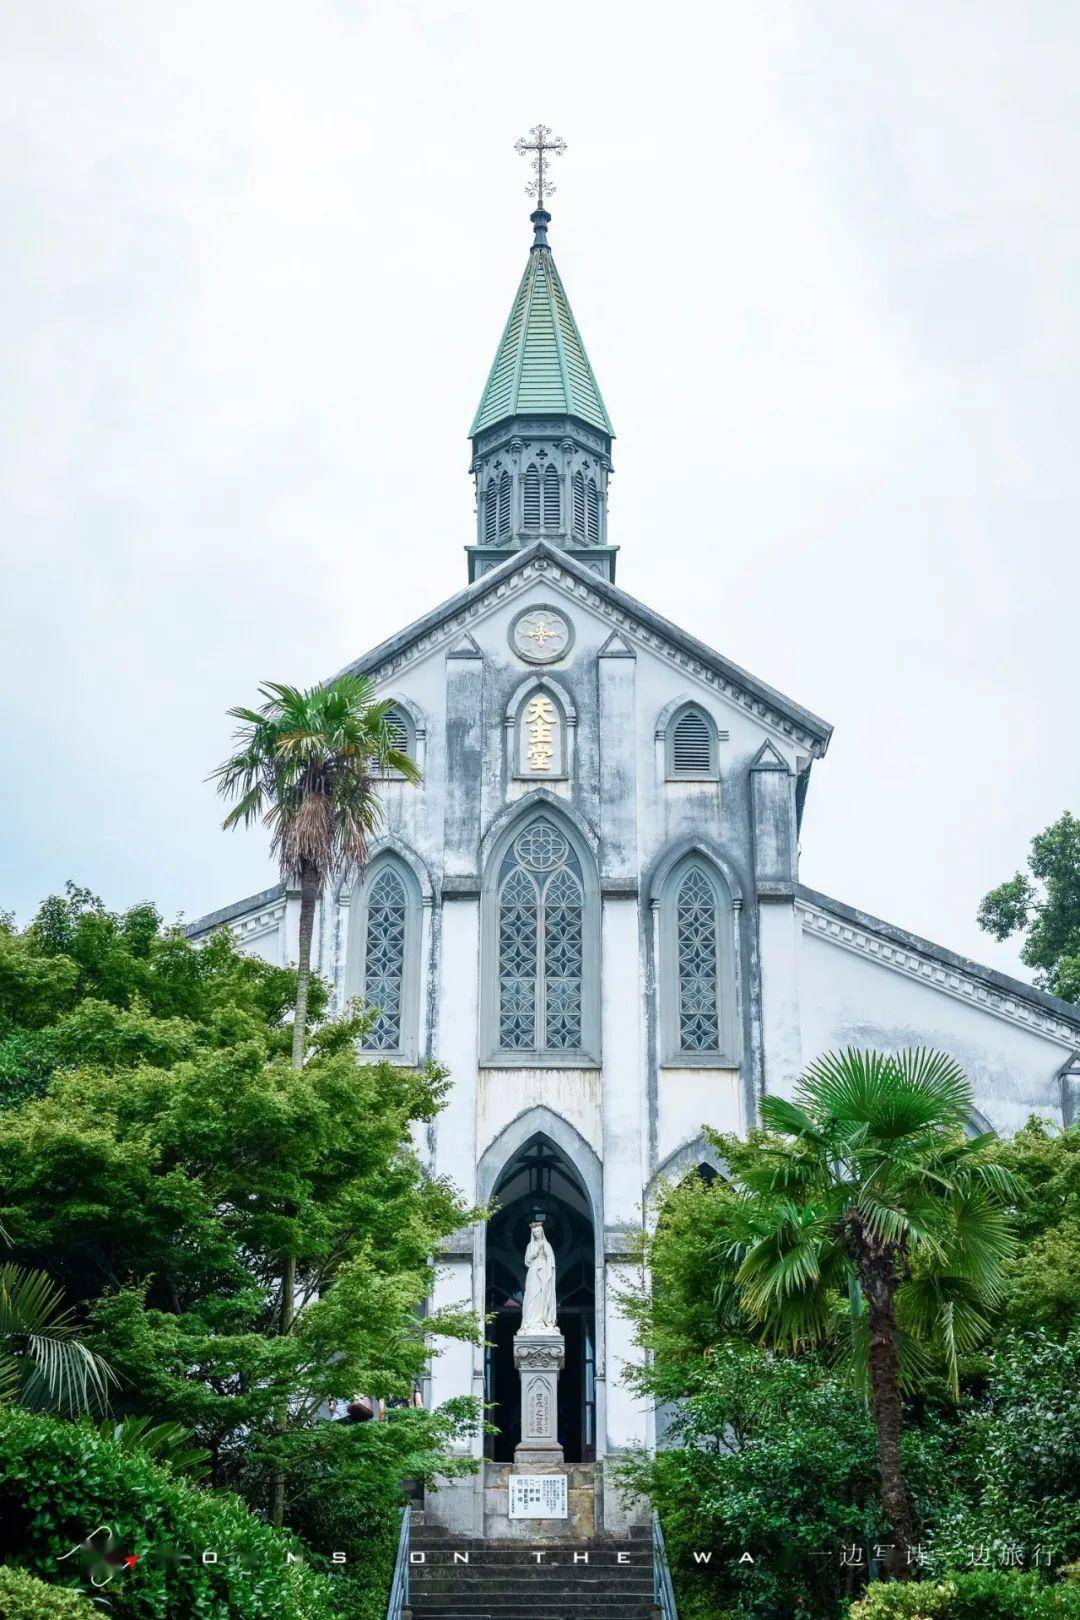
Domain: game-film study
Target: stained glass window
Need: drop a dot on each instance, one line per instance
(384, 959)
(540, 933)
(696, 923)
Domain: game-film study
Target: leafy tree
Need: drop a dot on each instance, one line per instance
(164, 1199)
(1018, 1453)
(308, 764)
(84, 985)
(1045, 906)
(1044, 1273)
(866, 1201)
(775, 1457)
(43, 1362)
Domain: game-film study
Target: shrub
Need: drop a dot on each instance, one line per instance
(60, 1481)
(982, 1594)
(24, 1597)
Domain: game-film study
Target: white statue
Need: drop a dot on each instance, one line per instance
(538, 1306)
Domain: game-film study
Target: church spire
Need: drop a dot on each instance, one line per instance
(541, 435)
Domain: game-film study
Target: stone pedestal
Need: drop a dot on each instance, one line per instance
(539, 1358)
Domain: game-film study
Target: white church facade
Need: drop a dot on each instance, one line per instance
(590, 911)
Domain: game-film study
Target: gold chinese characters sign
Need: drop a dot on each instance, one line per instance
(541, 733)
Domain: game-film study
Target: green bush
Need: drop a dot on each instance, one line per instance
(60, 1481)
(24, 1597)
(982, 1594)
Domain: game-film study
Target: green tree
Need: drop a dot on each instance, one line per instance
(866, 1200)
(86, 986)
(162, 1199)
(772, 1456)
(308, 764)
(1045, 907)
(1044, 1273)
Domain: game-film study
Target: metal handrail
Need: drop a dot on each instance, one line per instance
(399, 1586)
(663, 1592)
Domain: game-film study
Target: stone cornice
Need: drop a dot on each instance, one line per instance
(933, 965)
(546, 564)
(257, 914)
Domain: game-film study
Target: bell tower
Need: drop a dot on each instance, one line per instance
(541, 437)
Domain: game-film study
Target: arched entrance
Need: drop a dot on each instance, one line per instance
(539, 1177)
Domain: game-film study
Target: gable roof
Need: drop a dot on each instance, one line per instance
(540, 366)
(546, 562)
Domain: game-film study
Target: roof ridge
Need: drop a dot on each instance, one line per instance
(647, 617)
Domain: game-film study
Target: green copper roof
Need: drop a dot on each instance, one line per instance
(541, 367)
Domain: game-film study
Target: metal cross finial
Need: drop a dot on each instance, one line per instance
(541, 146)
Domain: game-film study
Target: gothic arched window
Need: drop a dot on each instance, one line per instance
(543, 948)
(491, 511)
(579, 504)
(692, 745)
(697, 976)
(552, 503)
(400, 728)
(532, 497)
(504, 506)
(384, 956)
(594, 513)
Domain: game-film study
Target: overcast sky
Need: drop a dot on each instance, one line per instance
(256, 260)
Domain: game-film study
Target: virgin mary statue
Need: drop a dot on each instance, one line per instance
(538, 1305)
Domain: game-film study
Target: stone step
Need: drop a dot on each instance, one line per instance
(468, 1591)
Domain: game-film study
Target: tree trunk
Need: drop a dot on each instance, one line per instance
(885, 1394)
(309, 896)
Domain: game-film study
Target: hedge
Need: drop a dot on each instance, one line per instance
(24, 1597)
(200, 1554)
(982, 1594)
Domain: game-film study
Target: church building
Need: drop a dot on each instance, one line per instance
(590, 910)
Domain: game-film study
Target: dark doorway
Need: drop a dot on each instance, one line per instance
(540, 1178)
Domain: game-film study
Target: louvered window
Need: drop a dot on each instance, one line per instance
(551, 499)
(594, 514)
(532, 498)
(693, 745)
(397, 725)
(504, 506)
(491, 512)
(579, 505)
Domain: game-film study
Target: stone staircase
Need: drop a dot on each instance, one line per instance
(515, 1581)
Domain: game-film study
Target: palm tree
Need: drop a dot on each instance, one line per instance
(308, 764)
(870, 1215)
(42, 1362)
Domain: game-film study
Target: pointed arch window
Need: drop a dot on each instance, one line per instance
(400, 728)
(532, 497)
(692, 751)
(384, 954)
(594, 513)
(542, 927)
(579, 504)
(698, 966)
(504, 506)
(491, 511)
(552, 503)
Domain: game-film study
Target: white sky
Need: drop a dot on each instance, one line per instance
(255, 261)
